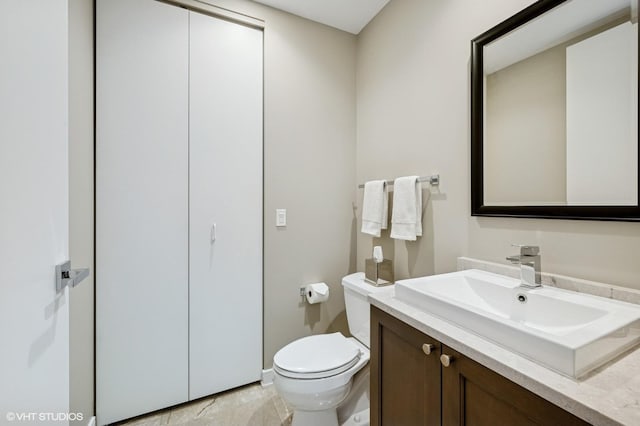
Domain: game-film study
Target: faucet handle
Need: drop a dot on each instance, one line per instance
(526, 250)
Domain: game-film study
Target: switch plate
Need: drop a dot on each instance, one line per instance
(281, 217)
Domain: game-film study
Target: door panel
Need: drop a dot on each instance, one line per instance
(405, 381)
(225, 129)
(142, 207)
(475, 395)
(34, 230)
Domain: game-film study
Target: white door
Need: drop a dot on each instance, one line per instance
(141, 207)
(34, 213)
(225, 230)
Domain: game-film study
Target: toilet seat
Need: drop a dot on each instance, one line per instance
(316, 357)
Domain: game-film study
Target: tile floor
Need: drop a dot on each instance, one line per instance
(250, 405)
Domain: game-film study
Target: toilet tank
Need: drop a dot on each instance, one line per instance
(356, 290)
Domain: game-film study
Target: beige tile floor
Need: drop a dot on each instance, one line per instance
(250, 405)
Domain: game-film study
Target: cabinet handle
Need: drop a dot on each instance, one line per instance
(446, 360)
(427, 348)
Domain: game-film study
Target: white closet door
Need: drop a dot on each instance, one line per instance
(225, 235)
(142, 207)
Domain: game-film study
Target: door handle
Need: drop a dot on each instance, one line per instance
(427, 348)
(65, 276)
(446, 360)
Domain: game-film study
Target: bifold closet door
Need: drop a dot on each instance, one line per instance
(141, 207)
(225, 237)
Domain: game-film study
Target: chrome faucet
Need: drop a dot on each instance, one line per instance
(529, 261)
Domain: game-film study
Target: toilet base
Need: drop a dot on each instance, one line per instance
(315, 418)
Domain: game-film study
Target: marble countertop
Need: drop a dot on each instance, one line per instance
(610, 395)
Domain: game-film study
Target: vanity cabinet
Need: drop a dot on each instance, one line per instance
(410, 385)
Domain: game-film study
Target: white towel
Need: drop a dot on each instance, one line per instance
(406, 221)
(375, 207)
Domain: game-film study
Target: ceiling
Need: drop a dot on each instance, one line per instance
(346, 15)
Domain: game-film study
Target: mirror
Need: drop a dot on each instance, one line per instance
(554, 113)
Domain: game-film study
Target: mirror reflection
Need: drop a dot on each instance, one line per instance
(561, 108)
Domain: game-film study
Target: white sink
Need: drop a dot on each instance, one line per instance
(569, 332)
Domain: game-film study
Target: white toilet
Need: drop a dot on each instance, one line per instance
(315, 374)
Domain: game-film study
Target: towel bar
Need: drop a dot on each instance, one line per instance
(434, 180)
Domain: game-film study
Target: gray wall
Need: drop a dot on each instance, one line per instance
(413, 117)
(520, 142)
(309, 170)
(81, 397)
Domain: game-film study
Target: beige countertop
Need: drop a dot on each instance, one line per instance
(610, 395)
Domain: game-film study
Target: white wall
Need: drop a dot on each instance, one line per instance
(413, 117)
(34, 319)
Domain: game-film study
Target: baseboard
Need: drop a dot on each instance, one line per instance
(267, 377)
(92, 421)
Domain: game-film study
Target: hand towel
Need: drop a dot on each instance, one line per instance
(375, 207)
(406, 220)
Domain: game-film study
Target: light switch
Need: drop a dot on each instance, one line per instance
(281, 217)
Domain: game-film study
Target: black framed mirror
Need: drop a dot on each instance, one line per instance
(554, 113)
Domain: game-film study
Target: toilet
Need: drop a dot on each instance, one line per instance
(315, 374)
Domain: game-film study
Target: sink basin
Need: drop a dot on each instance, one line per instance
(566, 331)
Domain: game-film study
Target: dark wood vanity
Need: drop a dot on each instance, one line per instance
(411, 386)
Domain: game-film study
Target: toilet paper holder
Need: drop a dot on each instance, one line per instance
(321, 291)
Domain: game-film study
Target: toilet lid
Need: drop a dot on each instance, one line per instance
(317, 356)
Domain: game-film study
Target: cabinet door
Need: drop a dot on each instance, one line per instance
(405, 381)
(225, 205)
(141, 207)
(475, 395)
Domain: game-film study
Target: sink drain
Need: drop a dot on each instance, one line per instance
(522, 298)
